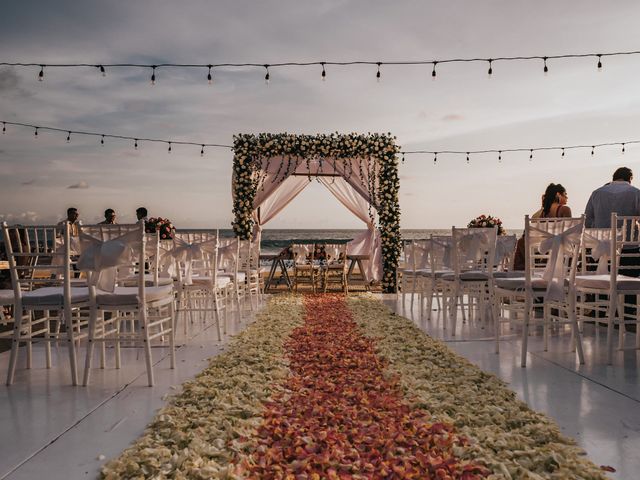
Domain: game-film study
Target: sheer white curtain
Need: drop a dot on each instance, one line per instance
(367, 243)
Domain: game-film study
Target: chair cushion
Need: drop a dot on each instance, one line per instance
(438, 273)
(511, 274)
(6, 297)
(132, 281)
(54, 296)
(129, 295)
(471, 276)
(517, 283)
(222, 281)
(241, 275)
(602, 282)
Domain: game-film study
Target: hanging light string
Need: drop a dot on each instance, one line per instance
(103, 136)
(499, 152)
(206, 67)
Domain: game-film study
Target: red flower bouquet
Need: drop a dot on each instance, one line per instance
(163, 226)
(487, 221)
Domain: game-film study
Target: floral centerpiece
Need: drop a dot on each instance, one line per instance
(163, 226)
(487, 221)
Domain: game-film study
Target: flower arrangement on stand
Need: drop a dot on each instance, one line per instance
(163, 226)
(487, 221)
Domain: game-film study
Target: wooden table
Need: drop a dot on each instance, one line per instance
(357, 260)
(277, 261)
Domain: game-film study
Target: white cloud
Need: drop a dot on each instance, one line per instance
(80, 184)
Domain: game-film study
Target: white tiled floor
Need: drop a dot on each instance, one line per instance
(49, 429)
(596, 404)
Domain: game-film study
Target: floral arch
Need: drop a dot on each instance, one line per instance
(361, 171)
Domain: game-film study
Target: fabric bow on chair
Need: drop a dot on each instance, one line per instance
(103, 258)
(600, 251)
(555, 245)
(188, 252)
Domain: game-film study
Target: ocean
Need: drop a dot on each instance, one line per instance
(274, 240)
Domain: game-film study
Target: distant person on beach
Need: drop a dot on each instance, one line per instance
(109, 217)
(617, 196)
(554, 204)
(142, 214)
(73, 219)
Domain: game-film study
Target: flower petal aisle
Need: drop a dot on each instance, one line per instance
(325, 387)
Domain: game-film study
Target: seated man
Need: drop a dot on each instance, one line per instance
(142, 214)
(73, 219)
(109, 217)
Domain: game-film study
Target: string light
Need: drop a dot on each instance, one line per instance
(490, 71)
(592, 150)
(378, 72)
(102, 136)
(209, 77)
(202, 151)
(467, 157)
(68, 137)
(435, 154)
(499, 156)
(490, 60)
(433, 72)
(403, 158)
(153, 74)
(169, 147)
(267, 76)
(102, 70)
(324, 73)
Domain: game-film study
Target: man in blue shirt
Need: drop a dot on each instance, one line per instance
(617, 196)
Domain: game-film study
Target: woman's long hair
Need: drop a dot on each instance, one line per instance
(551, 196)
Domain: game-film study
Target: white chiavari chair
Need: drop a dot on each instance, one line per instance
(121, 312)
(544, 295)
(614, 286)
(201, 288)
(439, 247)
(41, 276)
(416, 262)
(334, 266)
(304, 268)
(473, 260)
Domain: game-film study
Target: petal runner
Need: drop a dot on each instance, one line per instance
(346, 389)
(342, 415)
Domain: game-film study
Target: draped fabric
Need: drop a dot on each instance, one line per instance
(103, 258)
(368, 242)
(283, 178)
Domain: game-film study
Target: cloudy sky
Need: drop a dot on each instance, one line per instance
(462, 110)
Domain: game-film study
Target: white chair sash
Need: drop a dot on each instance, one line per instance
(227, 254)
(472, 245)
(103, 258)
(555, 245)
(446, 257)
(505, 246)
(600, 251)
(186, 253)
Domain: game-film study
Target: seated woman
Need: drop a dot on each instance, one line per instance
(554, 205)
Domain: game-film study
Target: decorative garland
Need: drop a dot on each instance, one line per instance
(384, 184)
